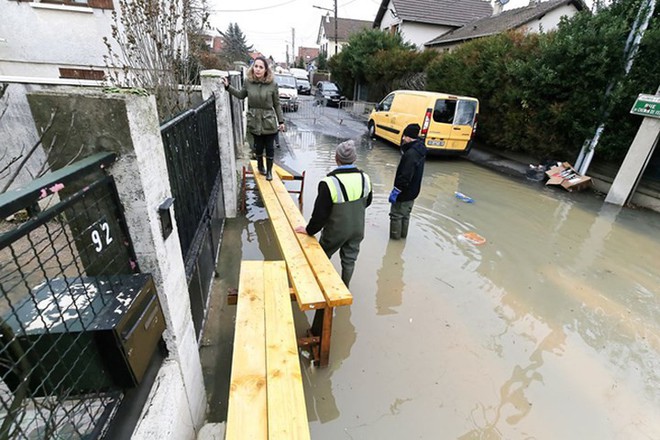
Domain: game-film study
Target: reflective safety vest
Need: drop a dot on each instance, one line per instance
(348, 187)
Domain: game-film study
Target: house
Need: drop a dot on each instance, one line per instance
(419, 21)
(62, 40)
(536, 17)
(345, 27)
(307, 54)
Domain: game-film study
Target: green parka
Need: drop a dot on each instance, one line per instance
(264, 113)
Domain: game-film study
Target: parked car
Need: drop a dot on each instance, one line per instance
(449, 122)
(328, 94)
(288, 91)
(304, 87)
(299, 73)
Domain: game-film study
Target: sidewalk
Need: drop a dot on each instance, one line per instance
(516, 164)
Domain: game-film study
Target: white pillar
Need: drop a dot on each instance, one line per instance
(212, 85)
(633, 165)
(176, 407)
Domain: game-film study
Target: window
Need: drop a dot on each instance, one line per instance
(386, 103)
(444, 111)
(465, 112)
(92, 74)
(99, 4)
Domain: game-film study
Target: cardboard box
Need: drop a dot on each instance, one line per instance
(564, 175)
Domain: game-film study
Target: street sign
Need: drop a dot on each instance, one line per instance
(647, 105)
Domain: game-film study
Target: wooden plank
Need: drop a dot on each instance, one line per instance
(335, 291)
(247, 415)
(287, 412)
(303, 281)
(284, 174)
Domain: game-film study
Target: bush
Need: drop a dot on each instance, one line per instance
(545, 94)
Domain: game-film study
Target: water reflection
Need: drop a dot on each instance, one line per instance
(390, 278)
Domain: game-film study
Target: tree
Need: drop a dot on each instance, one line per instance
(149, 48)
(236, 47)
(322, 61)
(364, 57)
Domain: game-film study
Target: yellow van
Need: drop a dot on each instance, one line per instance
(449, 122)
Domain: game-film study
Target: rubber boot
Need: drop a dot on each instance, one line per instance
(269, 168)
(404, 227)
(260, 165)
(395, 229)
(347, 274)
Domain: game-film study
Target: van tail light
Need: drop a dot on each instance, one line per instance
(474, 126)
(426, 123)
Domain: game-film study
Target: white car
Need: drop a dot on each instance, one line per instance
(288, 91)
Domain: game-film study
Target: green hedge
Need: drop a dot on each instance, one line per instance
(545, 94)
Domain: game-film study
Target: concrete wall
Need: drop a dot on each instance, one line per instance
(38, 38)
(128, 125)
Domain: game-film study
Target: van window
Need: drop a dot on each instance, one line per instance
(386, 103)
(444, 111)
(465, 112)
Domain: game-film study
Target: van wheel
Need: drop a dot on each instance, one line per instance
(372, 129)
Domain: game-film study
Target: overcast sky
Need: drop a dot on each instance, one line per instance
(267, 24)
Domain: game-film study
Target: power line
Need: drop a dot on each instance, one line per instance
(254, 9)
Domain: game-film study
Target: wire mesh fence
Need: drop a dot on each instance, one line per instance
(68, 276)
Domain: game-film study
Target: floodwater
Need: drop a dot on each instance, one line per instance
(548, 330)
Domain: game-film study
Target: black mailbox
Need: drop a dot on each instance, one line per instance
(81, 335)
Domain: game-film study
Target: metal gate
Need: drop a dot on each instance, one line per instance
(193, 164)
(63, 268)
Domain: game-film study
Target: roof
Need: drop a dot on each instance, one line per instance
(345, 27)
(507, 20)
(441, 12)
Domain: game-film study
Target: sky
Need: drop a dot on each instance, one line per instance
(268, 24)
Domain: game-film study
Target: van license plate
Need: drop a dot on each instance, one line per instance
(435, 143)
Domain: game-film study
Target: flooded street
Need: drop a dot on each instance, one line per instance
(548, 330)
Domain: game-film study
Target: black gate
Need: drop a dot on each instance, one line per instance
(193, 165)
(68, 275)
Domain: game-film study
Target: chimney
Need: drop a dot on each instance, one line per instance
(497, 7)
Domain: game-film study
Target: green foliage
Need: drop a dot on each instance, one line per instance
(367, 54)
(236, 47)
(322, 61)
(545, 94)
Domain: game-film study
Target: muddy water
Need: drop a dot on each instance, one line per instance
(548, 330)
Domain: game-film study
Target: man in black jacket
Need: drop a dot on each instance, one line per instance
(408, 181)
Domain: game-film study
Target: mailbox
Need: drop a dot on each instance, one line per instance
(84, 334)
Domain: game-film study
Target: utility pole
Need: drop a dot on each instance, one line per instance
(293, 46)
(335, 27)
(335, 10)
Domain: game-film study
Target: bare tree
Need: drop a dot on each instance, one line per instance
(151, 49)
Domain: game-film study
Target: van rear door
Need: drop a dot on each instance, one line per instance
(451, 124)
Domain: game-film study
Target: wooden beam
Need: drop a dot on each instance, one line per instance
(287, 412)
(305, 286)
(335, 291)
(247, 413)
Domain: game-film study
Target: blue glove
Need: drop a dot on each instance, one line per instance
(394, 194)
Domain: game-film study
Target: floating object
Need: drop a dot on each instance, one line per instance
(463, 197)
(473, 238)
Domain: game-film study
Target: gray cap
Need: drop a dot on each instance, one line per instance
(346, 153)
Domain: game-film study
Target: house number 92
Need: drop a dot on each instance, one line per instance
(101, 238)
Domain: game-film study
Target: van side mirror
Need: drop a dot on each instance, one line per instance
(379, 107)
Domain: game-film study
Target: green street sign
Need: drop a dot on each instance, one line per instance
(647, 105)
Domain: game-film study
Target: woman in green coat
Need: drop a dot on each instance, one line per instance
(264, 114)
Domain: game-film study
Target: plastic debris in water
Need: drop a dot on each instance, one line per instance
(473, 238)
(463, 197)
